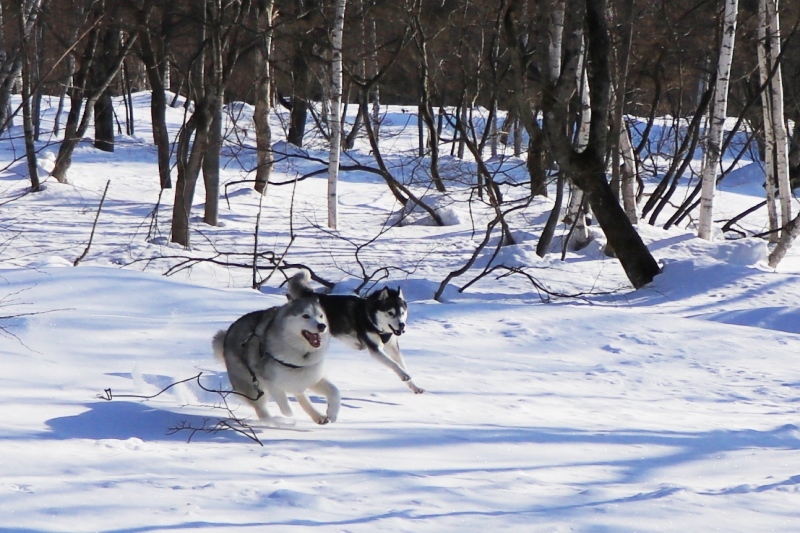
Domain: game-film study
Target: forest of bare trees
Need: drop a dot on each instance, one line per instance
(562, 74)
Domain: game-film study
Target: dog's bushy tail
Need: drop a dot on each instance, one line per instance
(300, 285)
(218, 345)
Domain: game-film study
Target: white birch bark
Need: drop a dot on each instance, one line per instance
(375, 92)
(555, 37)
(335, 122)
(264, 155)
(719, 111)
(769, 153)
(773, 96)
(575, 211)
(788, 236)
(629, 171)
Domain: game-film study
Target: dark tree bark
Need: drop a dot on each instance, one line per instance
(78, 117)
(303, 35)
(588, 168)
(104, 123)
(297, 121)
(103, 107)
(153, 54)
(27, 122)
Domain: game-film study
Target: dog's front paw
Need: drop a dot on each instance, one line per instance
(322, 420)
(414, 388)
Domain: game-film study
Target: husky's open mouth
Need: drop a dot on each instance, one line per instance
(397, 332)
(313, 339)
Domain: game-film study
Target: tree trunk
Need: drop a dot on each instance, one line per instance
(788, 236)
(549, 230)
(303, 48)
(189, 164)
(78, 121)
(774, 120)
(620, 92)
(335, 113)
(372, 71)
(156, 69)
(719, 110)
(103, 108)
(264, 155)
(27, 20)
(104, 123)
(576, 211)
(628, 172)
(588, 169)
(211, 158)
(425, 112)
(298, 116)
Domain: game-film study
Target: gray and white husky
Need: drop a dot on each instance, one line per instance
(374, 322)
(277, 351)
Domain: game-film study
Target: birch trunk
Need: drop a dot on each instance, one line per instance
(576, 212)
(719, 110)
(628, 170)
(27, 21)
(769, 48)
(766, 101)
(335, 113)
(264, 155)
(375, 92)
(555, 36)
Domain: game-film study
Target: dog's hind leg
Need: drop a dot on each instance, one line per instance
(260, 406)
(282, 400)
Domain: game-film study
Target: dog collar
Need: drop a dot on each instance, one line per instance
(284, 363)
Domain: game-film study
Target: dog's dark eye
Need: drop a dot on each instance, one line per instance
(306, 316)
(391, 314)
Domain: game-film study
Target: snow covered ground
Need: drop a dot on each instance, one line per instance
(670, 408)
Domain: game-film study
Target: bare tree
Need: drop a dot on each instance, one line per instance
(775, 136)
(336, 110)
(587, 168)
(154, 28)
(86, 90)
(719, 113)
(421, 40)
(219, 45)
(27, 24)
(264, 155)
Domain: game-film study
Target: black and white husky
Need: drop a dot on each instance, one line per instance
(374, 322)
(277, 351)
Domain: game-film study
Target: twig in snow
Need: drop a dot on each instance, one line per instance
(94, 226)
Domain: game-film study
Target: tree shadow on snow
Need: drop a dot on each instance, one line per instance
(122, 420)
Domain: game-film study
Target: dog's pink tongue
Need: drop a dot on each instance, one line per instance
(312, 338)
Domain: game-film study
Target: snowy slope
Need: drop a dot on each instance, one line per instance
(671, 408)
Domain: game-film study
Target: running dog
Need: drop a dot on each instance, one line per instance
(281, 349)
(374, 322)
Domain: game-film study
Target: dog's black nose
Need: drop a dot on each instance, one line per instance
(402, 327)
(321, 327)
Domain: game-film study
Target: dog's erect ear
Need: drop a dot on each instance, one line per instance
(400, 293)
(384, 294)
